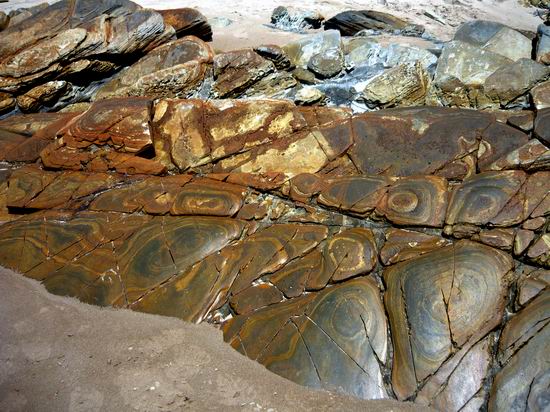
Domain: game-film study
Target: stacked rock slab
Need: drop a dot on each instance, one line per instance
(397, 254)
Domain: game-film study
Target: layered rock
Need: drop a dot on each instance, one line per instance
(188, 22)
(349, 23)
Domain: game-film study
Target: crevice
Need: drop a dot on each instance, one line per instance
(308, 352)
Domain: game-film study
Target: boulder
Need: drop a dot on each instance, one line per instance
(327, 63)
(403, 85)
(188, 22)
(175, 69)
(510, 43)
(301, 51)
(510, 84)
(477, 32)
(237, 71)
(461, 73)
(294, 19)
(349, 23)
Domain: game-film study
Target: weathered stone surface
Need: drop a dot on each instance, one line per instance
(7, 103)
(403, 245)
(403, 85)
(301, 51)
(4, 20)
(187, 22)
(236, 71)
(42, 95)
(294, 19)
(543, 44)
(531, 284)
(531, 157)
(541, 95)
(477, 32)
(509, 43)
(333, 339)
(522, 241)
(66, 35)
(509, 83)
(275, 54)
(466, 287)
(523, 353)
(327, 63)
(539, 252)
(349, 23)
(542, 121)
(308, 96)
(175, 69)
(498, 238)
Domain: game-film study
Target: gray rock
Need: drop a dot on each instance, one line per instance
(301, 51)
(326, 64)
(510, 43)
(477, 32)
(543, 45)
(512, 82)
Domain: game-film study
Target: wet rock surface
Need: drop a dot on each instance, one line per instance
(399, 253)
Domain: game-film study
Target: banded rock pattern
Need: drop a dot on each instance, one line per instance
(402, 253)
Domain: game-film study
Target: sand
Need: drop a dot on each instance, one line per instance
(251, 18)
(57, 354)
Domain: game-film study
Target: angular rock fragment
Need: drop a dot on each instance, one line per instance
(333, 339)
(403, 245)
(532, 156)
(531, 284)
(295, 19)
(327, 63)
(448, 297)
(301, 51)
(275, 54)
(541, 125)
(539, 252)
(42, 95)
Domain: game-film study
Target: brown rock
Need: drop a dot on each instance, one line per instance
(42, 95)
(499, 238)
(403, 245)
(539, 252)
(531, 284)
(522, 241)
(187, 22)
(541, 125)
(275, 54)
(7, 103)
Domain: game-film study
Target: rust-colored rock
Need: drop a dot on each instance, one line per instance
(187, 21)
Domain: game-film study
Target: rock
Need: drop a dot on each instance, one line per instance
(523, 355)
(7, 103)
(80, 48)
(543, 44)
(461, 73)
(403, 245)
(237, 71)
(522, 241)
(42, 95)
(510, 85)
(542, 126)
(477, 32)
(460, 311)
(532, 156)
(220, 22)
(539, 252)
(4, 20)
(326, 64)
(187, 22)
(301, 51)
(274, 85)
(175, 69)
(76, 108)
(308, 96)
(304, 76)
(293, 19)
(349, 23)
(403, 85)
(366, 52)
(540, 95)
(524, 121)
(275, 54)
(531, 284)
(510, 43)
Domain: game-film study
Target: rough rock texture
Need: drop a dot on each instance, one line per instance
(394, 254)
(175, 69)
(301, 51)
(349, 23)
(187, 21)
(295, 19)
(326, 64)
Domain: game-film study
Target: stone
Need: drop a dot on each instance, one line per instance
(532, 156)
(304, 76)
(466, 285)
(461, 73)
(349, 23)
(79, 46)
(275, 54)
(308, 96)
(543, 44)
(7, 103)
(531, 284)
(534, 224)
(523, 355)
(510, 43)
(175, 69)
(403, 85)
(327, 63)
(294, 19)
(301, 51)
(540, 95)
(477, 32)
(525, 121)
(510, 83)
(522, 241)
(318, 352)
(497, 238)
(4, 20)
(542, 130)
(187, 22)
(539, 252)
(237, 71)
(403, 245)
(42, 95)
